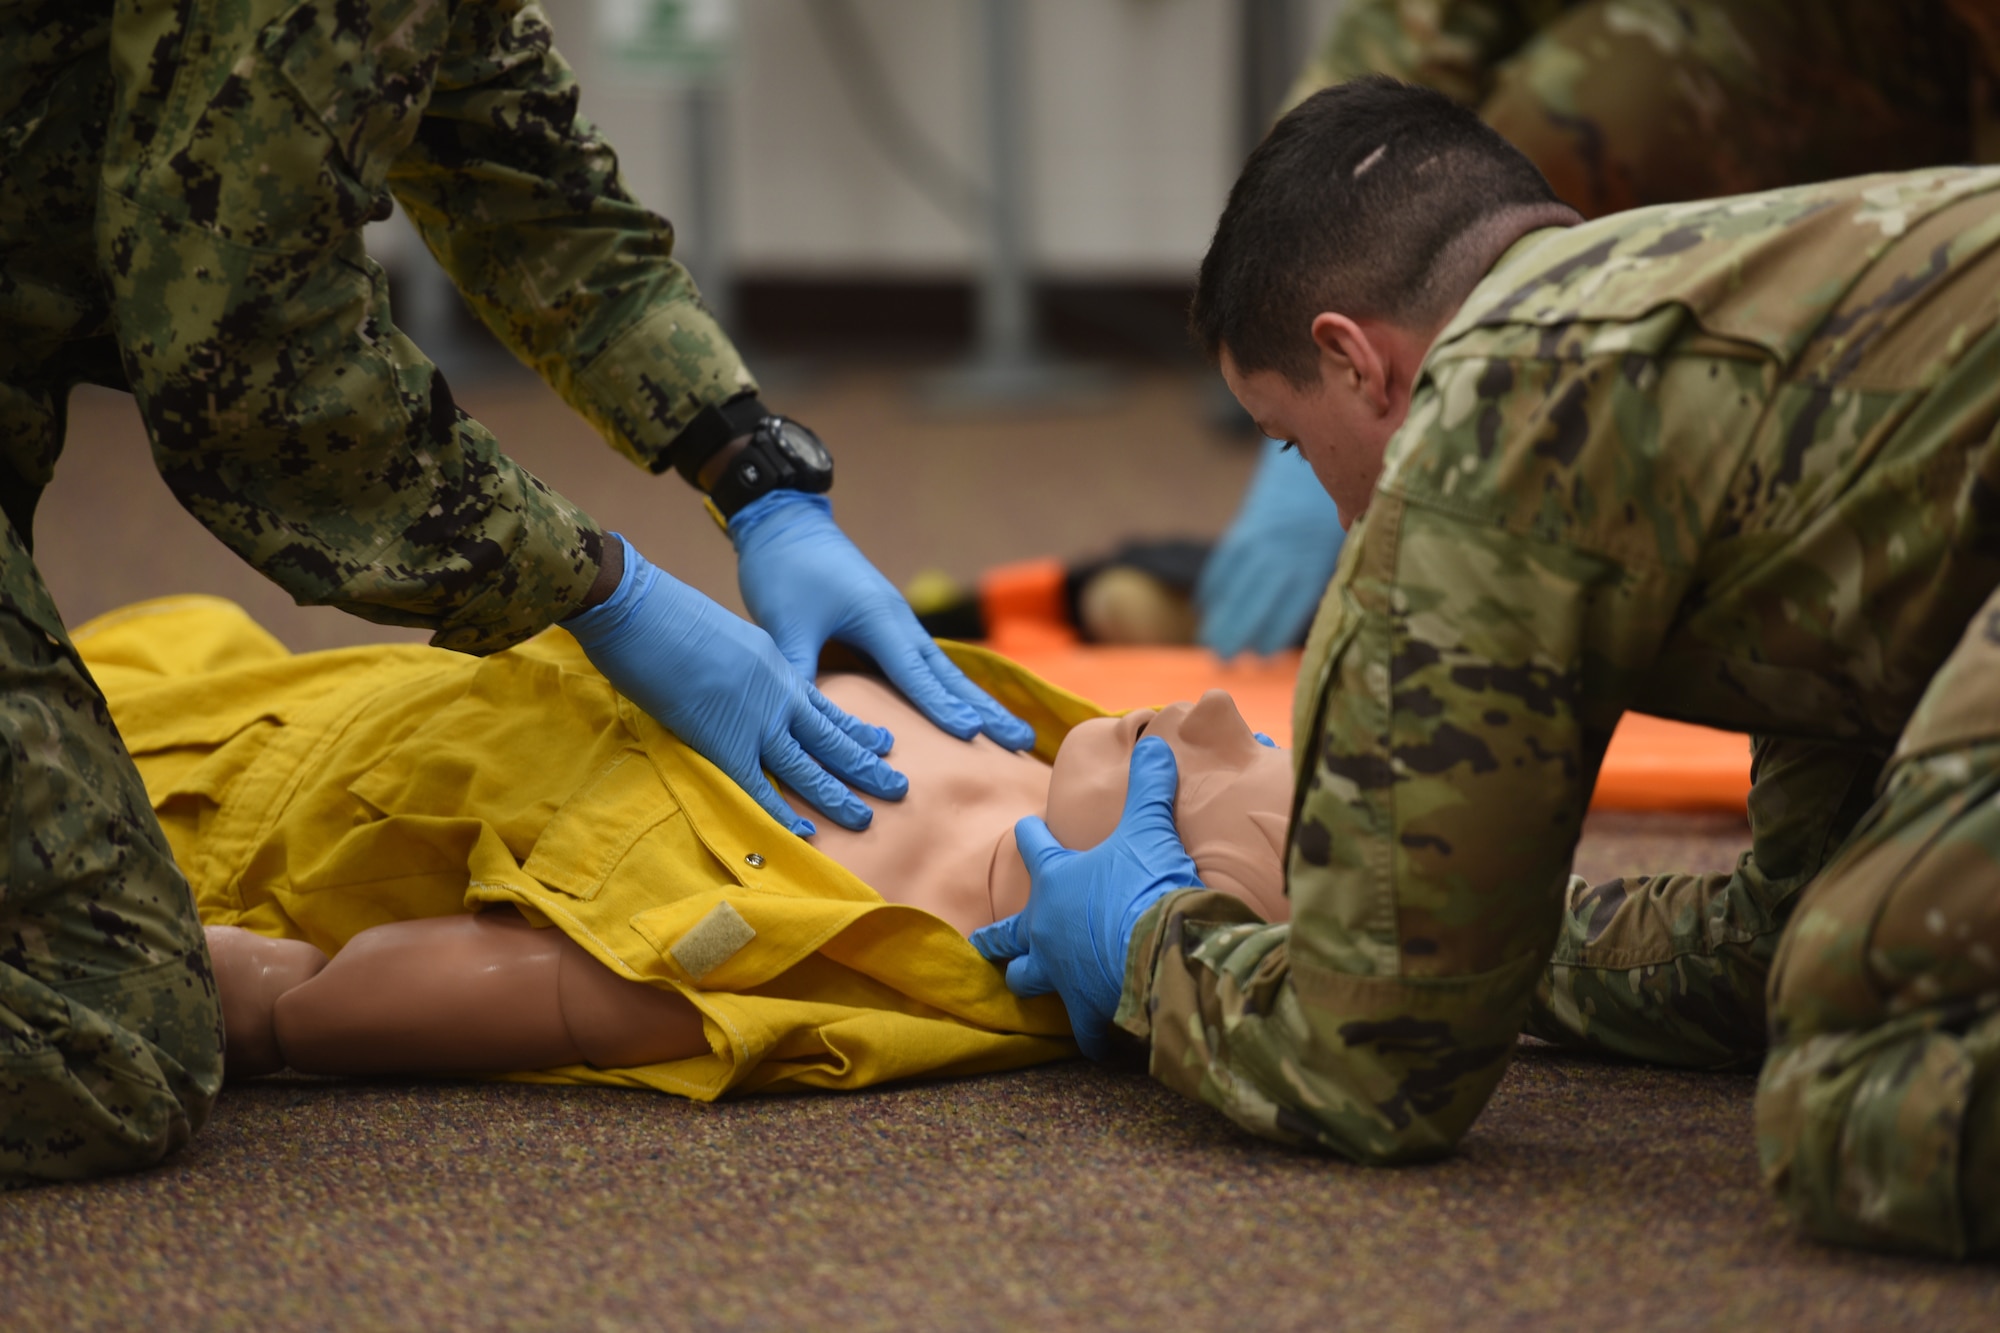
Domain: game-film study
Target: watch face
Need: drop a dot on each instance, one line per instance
(803, 447)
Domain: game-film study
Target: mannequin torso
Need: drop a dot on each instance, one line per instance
(940, 847)
(948, 847)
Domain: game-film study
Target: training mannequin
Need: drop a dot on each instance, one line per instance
(487, 992)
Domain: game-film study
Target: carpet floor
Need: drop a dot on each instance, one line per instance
(1591, 1194)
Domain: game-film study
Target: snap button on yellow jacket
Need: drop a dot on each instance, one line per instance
(313, 796)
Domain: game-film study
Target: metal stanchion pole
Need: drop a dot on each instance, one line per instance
(1007, 370)
(702, 117)
(1273, 48)
(1005, 312)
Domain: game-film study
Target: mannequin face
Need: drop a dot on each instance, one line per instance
(1232, 808)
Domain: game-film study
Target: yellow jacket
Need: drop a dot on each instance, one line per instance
(312, 796)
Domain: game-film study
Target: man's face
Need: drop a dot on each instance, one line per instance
(1332, 422)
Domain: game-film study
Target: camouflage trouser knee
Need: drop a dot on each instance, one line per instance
(110, 1035)
(1878, 1113)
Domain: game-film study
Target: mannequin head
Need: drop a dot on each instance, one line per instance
(1231, 810)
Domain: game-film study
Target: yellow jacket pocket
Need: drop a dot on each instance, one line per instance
(596, 828)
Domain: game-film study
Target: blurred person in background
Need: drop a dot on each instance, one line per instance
(1622, 104)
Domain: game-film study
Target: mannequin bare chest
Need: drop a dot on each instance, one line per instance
(937, 848)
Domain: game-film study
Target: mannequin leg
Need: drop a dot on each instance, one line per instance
(251, 972)
(480, 993)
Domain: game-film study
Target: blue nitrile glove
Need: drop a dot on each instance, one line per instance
(805, 582)
(725, 689)
(1074, 934)
(1264, 579)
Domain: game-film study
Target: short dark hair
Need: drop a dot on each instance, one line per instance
(1349, 204)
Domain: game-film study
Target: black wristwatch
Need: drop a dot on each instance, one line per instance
(781, 454)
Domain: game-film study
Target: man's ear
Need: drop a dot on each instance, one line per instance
(1353, 356)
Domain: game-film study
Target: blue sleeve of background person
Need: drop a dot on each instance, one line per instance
(1265, 578)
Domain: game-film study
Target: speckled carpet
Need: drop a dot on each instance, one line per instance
(1589, 1195)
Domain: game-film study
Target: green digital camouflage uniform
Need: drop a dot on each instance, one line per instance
(183, 185)
(110, 1036)
(1624, 103)
(1733, 462)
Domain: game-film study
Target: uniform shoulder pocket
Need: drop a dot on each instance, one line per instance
(364, 71)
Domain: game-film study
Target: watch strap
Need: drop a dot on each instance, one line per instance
(713, 427)
(760, 468)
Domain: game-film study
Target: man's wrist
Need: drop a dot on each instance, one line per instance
(718, 463)
(1132, 1015)
(717, 429)
(610, 572)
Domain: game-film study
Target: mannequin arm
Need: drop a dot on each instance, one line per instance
(466, 994)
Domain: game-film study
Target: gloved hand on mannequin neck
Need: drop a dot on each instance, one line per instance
(806, 583)
(1265, 578)
(724, 687)
(1075, 933)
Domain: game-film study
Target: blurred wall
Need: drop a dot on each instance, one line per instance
(1133, 135)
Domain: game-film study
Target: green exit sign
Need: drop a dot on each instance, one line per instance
(671, 42)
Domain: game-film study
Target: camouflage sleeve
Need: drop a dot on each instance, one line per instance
(247, 148)
(1671, 969)
(520, 199)
(1452, 46)
(1428, 854)
(1492, 614)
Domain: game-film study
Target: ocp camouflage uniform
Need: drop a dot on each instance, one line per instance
(1624, 103)
(1737, 463)
(1878, 1116)
(182, 191)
